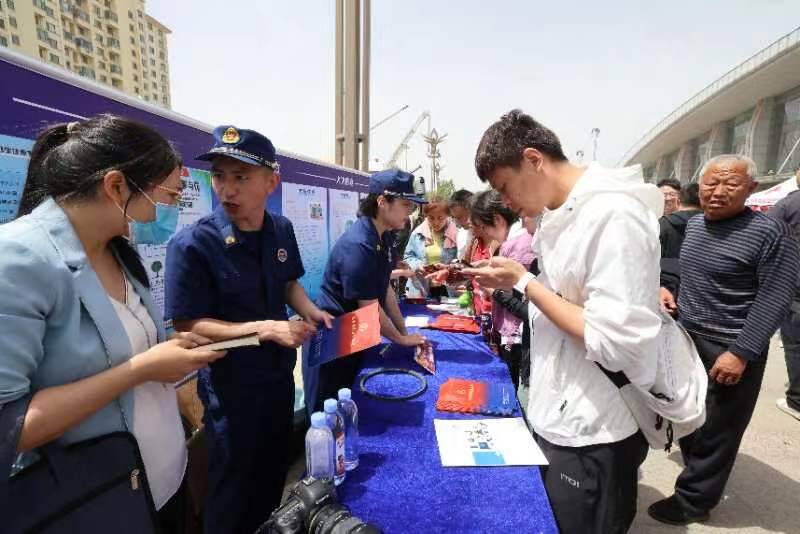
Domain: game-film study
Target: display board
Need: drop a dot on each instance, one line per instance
(33, 96)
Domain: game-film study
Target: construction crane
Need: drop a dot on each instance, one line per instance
(404, 143)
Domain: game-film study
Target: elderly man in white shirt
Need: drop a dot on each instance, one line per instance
(595, 303)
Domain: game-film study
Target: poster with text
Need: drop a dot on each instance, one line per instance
(307, 207)
(195, 203)
(14, 155)
(344, 211)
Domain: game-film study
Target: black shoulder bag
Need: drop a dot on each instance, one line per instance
(94, 486)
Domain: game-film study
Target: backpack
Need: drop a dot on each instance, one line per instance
(675, 406)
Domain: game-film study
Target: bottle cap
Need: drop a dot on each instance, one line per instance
(345, 394)
(318, 419)
(331, 406)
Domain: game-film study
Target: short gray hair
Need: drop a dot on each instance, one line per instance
(752, 170)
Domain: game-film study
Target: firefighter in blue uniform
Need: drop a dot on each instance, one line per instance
(357, 274)
(230, 274)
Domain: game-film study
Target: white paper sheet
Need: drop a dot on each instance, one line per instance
(486, 443)
(419, 321)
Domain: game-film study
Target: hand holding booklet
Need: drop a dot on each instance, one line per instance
(351, 333)
(249, 340)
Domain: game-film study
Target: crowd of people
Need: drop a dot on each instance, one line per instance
(576, 265)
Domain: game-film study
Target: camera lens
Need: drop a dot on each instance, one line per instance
(326, 518)
(346, 526)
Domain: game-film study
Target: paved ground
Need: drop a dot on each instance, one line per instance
(763, 494)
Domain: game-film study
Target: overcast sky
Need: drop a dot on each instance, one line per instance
(617, 65)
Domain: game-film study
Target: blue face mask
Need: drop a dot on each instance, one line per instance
(156, 232)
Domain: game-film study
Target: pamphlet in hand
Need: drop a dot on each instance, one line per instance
(351, 332)
(424, 356)
(486, 442)
(249, 340)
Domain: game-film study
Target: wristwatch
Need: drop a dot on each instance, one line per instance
(522, 284)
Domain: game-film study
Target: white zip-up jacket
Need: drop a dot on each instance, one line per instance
(599, 250)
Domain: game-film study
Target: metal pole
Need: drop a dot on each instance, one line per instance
(352, 82)
(365, 88)
(339, 88)
(390, 117)
(595, 135)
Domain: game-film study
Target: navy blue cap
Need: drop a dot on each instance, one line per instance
(248, 146)
(395, 182)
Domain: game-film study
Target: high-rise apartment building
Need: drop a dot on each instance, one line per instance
(111, 41)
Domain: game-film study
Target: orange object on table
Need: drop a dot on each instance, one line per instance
(455, 323)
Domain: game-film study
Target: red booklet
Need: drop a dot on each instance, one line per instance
(351, 333)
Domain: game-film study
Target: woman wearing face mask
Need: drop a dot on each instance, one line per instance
(499, 223)
(80, 332)
(432, 243)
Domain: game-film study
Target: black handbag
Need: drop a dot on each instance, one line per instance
(93, 486)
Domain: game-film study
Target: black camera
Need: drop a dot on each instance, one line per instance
(312, 508)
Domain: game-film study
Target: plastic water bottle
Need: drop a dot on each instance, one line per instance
(336, 424)
(349, 410)
(319, 449)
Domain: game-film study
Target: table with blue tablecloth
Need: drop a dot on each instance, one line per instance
(400, 484)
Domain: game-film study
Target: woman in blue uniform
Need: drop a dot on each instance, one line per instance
(357, 274)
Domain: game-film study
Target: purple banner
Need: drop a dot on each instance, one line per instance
(34, 96)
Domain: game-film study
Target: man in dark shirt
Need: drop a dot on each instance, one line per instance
(672, 229)
(671, 188)
(738, 275)
(233, 273)
(788, 211)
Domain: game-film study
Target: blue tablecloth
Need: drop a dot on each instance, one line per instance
(400, 484)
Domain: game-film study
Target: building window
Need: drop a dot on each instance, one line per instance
(15, 39)
(12, 21)
(739, 131)
(3, 41)
(2, 24)
(790, 134)
(152, 62)
(133, 41)
(699, 154)
(152, 51)
(11, 5)
(55, 59)
(133, 29)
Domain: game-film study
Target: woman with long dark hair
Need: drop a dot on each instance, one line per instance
(80, 332)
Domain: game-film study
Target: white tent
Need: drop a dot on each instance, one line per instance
(764, 200)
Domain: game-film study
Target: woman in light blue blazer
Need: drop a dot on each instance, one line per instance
(79, 331)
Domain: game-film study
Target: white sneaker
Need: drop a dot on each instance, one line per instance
(784, 407)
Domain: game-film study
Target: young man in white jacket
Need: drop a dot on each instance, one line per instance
(595, 303)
